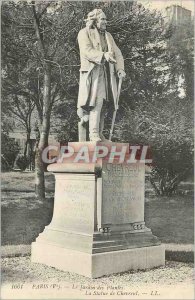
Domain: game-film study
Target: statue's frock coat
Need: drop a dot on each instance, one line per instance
(91, 55)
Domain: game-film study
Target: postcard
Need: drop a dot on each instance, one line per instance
(97, 149)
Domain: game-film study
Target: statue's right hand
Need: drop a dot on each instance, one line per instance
(109, 58)
(85, 118)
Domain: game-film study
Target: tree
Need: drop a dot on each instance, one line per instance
(45, 35)
(180, 47)
(139, 34)
(9, 148)
(164, 120)
(15, 99)
(40, 47)
(167, 129)
(21, 108)
(32, 32)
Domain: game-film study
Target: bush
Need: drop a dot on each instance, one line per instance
(9, 152)
(5, 167)
(21, 162)
(167, 129)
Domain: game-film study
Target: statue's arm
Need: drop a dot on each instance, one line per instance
(118, 56)
(87, 50)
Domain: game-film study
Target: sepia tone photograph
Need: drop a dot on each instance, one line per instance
(97, 149)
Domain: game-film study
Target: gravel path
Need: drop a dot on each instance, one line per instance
(25, 280)
(20, 269)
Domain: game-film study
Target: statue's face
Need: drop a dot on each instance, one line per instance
(101, 22)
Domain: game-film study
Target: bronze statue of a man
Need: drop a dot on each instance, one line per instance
(101, 63)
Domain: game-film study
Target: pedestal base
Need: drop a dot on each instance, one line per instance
(97, 265)
(98, 223)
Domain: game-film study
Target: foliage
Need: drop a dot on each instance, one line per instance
(9, 151)
(40, 53)
(180, 47)
(165, 123)
(66, 125)
(21, 162)
(139, 34)
(167, 129)
(137, 31)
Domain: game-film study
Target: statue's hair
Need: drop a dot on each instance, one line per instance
(93, 15)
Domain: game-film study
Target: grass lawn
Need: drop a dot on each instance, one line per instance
(24, 181)
(171, 219)
(23, 217)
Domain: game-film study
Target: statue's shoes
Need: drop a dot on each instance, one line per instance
(99, 138)
(95, 137)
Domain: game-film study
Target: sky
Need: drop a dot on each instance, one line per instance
(162, 4)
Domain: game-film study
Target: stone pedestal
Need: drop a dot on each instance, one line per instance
(98, 223)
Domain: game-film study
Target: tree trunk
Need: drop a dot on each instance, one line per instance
(27, 144)
(44, 134)
(152, 181)
(45, 120)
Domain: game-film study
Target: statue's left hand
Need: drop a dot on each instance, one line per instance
(121, 74)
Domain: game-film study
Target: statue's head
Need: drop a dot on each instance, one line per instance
(96, 18)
